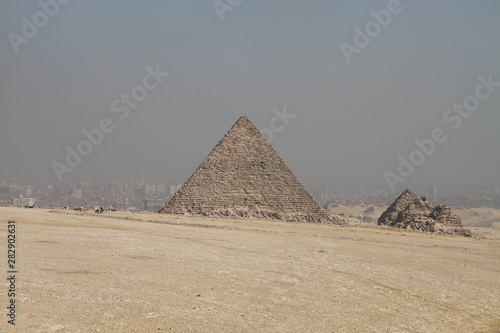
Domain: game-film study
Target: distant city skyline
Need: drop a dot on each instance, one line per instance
(152, 196)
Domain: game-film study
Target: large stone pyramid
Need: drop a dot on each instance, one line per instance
(244, 176)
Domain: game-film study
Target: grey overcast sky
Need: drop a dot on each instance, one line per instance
(361, 99)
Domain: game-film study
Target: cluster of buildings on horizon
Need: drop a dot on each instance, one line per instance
(152, 196)
(131, 196)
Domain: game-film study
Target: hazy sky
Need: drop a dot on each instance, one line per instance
(353, 119)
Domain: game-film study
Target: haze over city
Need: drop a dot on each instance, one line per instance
(355, 101)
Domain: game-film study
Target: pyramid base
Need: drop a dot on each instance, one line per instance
(246, 213)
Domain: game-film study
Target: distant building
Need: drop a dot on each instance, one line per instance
(150, 189)
(160, 189)
(154, 189)
(174, 188)
(154, 204)
(23, 201)
(77, 194)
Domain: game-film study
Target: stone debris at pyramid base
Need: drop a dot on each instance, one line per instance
(411, 212)
(261, 214)
(244, 177)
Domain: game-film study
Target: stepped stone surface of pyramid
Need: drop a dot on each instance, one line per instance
(417, 213)
(244, 176)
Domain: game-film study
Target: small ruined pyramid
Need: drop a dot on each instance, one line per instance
(409, 211)
(390, 216)
(243, 176)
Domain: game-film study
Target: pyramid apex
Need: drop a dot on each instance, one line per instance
(407, 195)
(409, 190)
(243, 119)
(244, 122)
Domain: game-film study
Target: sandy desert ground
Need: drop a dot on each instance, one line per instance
(124, 272)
